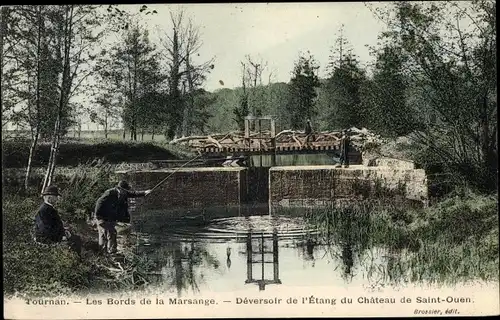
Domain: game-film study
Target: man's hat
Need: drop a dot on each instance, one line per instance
(124, 185)
(51, 191)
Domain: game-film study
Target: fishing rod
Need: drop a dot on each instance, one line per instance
(162, 181)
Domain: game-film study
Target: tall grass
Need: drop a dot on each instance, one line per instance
(85, 185)
(456, 240)
(31, 269)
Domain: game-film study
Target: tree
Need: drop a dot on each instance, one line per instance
(277, 100)
(203, 100)
(25, 81)
(384, 97)
(454, 68)
(343, 86)
(76, 33)
(107, 112)
(136, 72)
(242, 110)
(253, 69)
(32, 65)
(302, 91)
(182, 45)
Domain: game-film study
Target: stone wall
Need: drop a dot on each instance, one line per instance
(307, 186)
(187, 189)
(227, 191)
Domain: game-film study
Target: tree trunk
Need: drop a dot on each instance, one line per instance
(36, 133)
(64, 94)
(142, 135)
(190, 104)
(153, 135)
(50, 167)
(106, 125)
(488, 158)
(33, 146)
(185, 114)
(124, 133)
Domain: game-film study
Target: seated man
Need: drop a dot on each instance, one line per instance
(49, 228)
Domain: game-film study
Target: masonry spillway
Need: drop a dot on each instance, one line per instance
(225, 190)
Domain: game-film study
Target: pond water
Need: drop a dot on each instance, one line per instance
(233, 253)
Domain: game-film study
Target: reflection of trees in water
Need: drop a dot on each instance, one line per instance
(385, 266)
(367, 244)
(183, 264)
(348, 234)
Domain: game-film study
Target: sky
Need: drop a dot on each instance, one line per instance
(275, 33)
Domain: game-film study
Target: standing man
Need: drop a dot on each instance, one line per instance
(345, 143)
(308, 131)
(110, 208)
(49, 228)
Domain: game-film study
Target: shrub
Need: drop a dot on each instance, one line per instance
(72, 153)
(85, 185)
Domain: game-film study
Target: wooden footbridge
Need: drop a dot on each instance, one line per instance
(256, 140)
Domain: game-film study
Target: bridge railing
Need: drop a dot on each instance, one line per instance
(267, 140)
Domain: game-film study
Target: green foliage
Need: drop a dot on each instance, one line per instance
(385, 94)
(302, 91)
(29, 267)
(32, 270)
(85, 186)
(344, 86)
(202, 102)
(454, 70)
(466, 224)
(460, 217)
(241, 111)
(35, 64)
(225, 102)
(135, 71)
(74, 153)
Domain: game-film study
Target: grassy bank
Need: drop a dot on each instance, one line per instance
(51, 270)
(455, 240)
(74, 152)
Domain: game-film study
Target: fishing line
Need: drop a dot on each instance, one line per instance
(162, 181)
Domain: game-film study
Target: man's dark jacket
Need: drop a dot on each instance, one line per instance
(114, 207)
(344, 146)
(48, 224)
(308, 129)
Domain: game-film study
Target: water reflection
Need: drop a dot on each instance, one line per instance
(189, 259)
(181, 265)
(261, 256)
(232, 253)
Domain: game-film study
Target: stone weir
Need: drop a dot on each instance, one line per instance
(323, 186)
(191, 191)
(226, 191)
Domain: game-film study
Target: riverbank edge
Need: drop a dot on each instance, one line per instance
(24, 206)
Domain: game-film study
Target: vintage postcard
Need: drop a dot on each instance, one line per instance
(250, 160)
